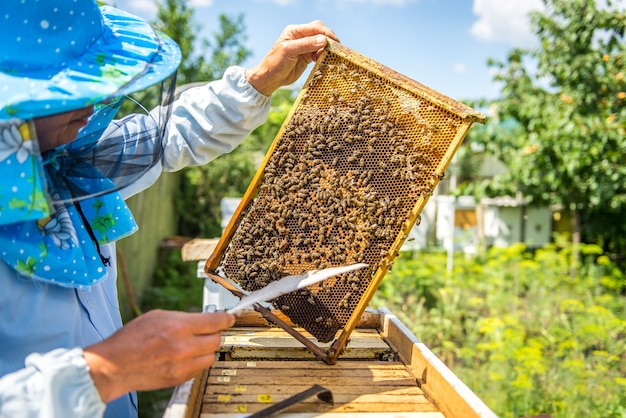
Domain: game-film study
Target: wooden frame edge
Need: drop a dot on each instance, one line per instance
(446, 390)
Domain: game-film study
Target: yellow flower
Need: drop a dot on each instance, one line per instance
(531, 149)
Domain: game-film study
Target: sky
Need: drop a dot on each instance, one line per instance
(443, 44)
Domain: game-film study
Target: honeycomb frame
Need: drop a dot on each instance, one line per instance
(344, 181)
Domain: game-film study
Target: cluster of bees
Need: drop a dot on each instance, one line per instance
(339, 187)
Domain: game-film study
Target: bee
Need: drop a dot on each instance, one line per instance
(326, 287)
(453, 123)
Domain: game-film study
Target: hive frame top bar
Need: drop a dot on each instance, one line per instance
(458, 108)
(344, 181)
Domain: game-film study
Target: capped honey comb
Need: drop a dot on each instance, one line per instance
(345, 180)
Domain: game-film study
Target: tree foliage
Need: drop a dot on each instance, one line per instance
(175, 19)
(561, 120)
(227, 47)
(203, 59)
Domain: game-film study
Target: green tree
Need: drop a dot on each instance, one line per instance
(202, 188)
(227, 47)
(562, 118)
(175, 19)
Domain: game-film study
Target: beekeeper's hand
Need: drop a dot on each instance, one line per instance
(156, 350)
(295, 48)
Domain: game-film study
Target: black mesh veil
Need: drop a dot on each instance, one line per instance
(122, 141)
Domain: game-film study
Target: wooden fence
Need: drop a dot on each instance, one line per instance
(138, 254)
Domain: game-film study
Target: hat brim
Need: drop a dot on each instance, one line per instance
(130, 55)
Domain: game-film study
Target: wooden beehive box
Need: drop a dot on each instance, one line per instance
(384, 372)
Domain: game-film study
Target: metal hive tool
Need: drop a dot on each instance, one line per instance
(344, 181)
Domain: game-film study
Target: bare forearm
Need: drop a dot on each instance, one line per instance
(295, 48)
(157, 350)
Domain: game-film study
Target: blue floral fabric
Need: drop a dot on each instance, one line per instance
(42, 234)
(21, 189)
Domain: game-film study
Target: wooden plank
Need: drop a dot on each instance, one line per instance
(336, 415)
(228, 389)
(178, 404)
(446, 390)
(322, 380)
(351, 407)
(296, 371)
(416, 385)
(370, 319)
(357, 386)
(198, 249)
(275, 343)
(186, 400)
(274, 332)
(306, 365)
(390, 397)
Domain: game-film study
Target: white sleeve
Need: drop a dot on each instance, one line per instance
(213, 119)
(55, 384)
(205, 122)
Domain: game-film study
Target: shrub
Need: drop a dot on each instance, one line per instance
(518, 329)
